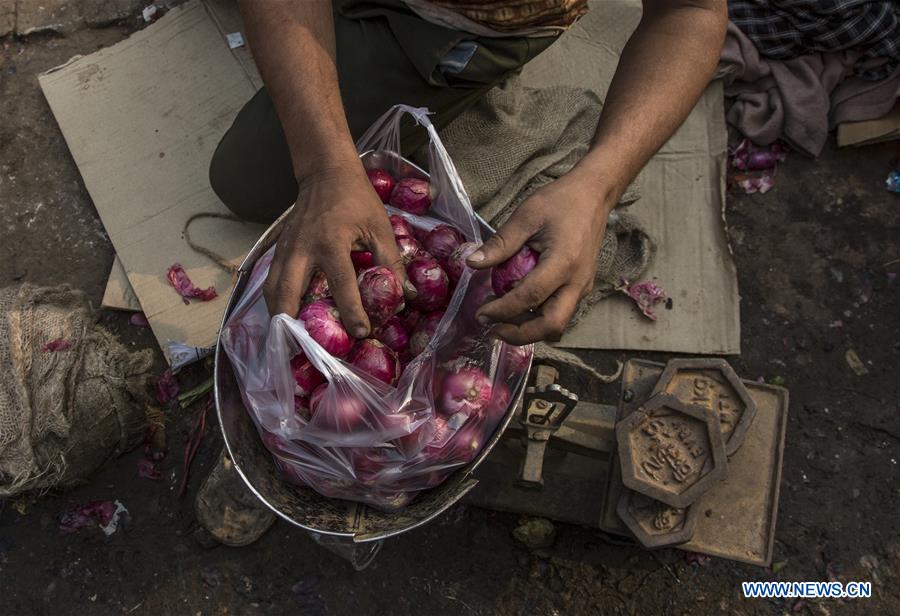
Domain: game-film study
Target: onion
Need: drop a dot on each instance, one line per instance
(323, 323)
(336, 409)
(374, 358)
(381, 293)
(431, 282)
(478, 293)
(410, 318)
(499, 404)
(517, 357)
(424, 332)
(318, 287)
(507, 275)
(443, 240)
(456, 262)
(465, 444)
(411, 195)
(410, 248)
(306, 377)
(362, 259)
(393, 334)
(466, 390)
(382, 182)
(400, 226)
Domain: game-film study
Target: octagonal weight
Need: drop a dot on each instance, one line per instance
(712, 384)
(671, 452)
(655, 524)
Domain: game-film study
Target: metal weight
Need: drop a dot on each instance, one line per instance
(714, 385)
(655, 524)
(671, 452)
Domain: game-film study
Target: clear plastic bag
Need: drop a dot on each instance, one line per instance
(367, 441)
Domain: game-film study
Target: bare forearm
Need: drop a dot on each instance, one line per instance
(664, 68)
(293, 45)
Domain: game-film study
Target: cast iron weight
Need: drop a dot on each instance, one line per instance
(545, 407)
(655, 524)
(671, 452)
(714, 385)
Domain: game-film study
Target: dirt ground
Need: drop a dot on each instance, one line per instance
(814, 257)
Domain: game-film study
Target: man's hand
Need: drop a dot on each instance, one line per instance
(565, 222)
(337, 211)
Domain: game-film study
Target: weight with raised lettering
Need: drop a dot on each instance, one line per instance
(670, 451)
(714, 385)
(655, 524)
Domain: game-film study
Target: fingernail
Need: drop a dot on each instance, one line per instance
(360, 332)
(483, 319)
(410, 289)
(476, 257)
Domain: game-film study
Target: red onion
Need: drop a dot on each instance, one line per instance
(400, 226)
(443, 240)
(301, 407)
(467, 390)
(499, 404)
(382, 182)
(424, 332)
(466, 443)
(410, 318)
(323, 323)
(374, 358)
(478, 294)
(761, 159)
(430, 281)
(336, 409)
(393, 334)
(456, 262)
(318, 287)
(362, 259)
(306, 377)
(517, 357)
(410, 248)
(411, 195)
(381, 293)
(507, 275)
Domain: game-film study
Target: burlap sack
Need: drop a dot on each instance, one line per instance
(63, 413)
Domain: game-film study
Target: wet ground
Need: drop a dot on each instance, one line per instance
(815, 257)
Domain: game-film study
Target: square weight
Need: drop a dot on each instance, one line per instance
(736, 518)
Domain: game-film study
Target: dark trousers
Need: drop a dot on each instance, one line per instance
(385, 55)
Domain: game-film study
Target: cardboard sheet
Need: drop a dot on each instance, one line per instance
(118, 294)
(682, 203)
(195, 85)
(142, 119)
(885, 128)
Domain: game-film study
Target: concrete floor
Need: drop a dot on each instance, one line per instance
(817, 249)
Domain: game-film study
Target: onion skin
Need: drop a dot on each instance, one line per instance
(382, 182)
(465, 444)
(467, 390)
(374, 358)
(412, 195)
(410, 318)
(306, 377)
(456, 262)
(424, 332)
(323, 323)
(400, 226)
(499, 404)
(301, 407)
(442, 241)
(381, 293)
(431, 282)
(410, 248)
(318, 288)
(393, 334)
(508, 274)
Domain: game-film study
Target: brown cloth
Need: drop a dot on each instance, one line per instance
(801, 99)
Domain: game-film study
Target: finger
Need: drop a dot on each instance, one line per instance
(287, 280)
(342, 281)
(385, 251)
(508, 240)
(531, 292)
(550, 324)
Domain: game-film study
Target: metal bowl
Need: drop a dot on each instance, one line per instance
(303, 506)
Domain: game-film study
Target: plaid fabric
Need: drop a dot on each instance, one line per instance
(783, 29)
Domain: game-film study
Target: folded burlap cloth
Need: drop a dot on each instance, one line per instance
(517, 139)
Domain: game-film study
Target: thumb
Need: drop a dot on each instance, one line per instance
(508, 240)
